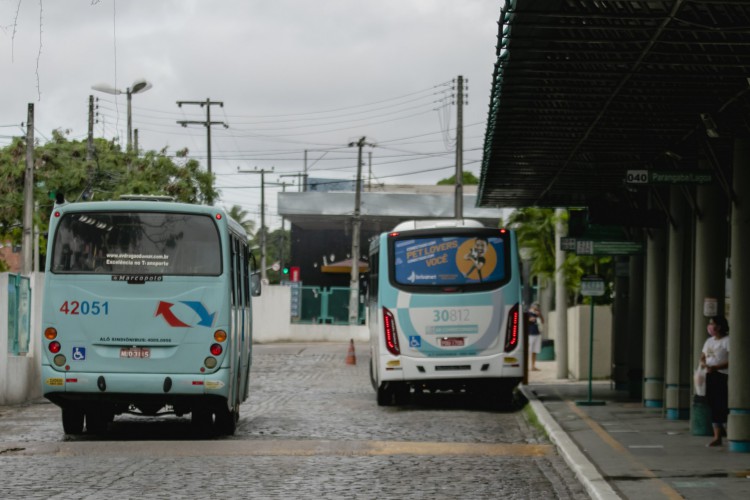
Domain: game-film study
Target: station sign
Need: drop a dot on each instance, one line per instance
(592, 286)
(594, 247)
(668, 177)
(568, 244)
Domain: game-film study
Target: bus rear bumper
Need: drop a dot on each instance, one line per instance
(60, 387)
(410, 369)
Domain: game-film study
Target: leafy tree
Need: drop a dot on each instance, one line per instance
(468, 177)
(60, 166)
(535, 228)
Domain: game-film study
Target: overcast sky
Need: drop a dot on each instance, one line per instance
(293, 75)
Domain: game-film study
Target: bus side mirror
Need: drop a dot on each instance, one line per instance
(254, 277)
(255, 285)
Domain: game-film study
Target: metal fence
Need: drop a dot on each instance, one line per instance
(327, 305)
(19, 314)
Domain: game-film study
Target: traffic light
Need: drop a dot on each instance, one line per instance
(285, 269)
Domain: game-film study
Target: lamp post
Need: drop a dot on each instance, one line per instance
(137, 87)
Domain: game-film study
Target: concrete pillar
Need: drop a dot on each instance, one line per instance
(679, 299)
(561, 300)
(738, 428)
(710, 261)
(654, 332)
(620, 325)
(635, 327)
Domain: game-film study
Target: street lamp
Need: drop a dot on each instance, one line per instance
(137, 87)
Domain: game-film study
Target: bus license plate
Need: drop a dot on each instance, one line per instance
(135, 352)
(452, 342)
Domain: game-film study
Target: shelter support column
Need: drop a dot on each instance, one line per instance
(620, 324)
(561, 300)
(739, 317)
(678, 308)
(654, 318)
(635, 326)
(710, 262)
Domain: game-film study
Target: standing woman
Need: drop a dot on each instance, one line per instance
(535, 337)
(715, 358)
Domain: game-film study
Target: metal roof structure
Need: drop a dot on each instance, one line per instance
(380, 211)
(585, 90)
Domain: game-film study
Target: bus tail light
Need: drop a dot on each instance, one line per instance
(512, 330)
(216, 349)
(391, 335)
(50, 333)
(54, 347)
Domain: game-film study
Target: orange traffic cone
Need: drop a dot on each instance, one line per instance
(351, 358)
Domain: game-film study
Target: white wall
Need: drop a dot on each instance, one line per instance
(579, 325)
(20, 375)
(272, 322)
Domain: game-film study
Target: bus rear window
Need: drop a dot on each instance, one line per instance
(145, 243)
(456, 260)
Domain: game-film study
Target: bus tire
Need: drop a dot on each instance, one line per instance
(201, 421)
(385, 394)
(401, 393)
(72, 420)
(96, 421)
(226, 421)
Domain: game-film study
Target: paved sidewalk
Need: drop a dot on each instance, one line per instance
(621, 449)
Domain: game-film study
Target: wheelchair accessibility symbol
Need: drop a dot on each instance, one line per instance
(79, 353)
(415, 341)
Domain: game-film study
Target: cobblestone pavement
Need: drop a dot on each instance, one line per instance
(310, 429)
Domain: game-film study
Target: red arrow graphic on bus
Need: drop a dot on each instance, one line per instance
(165, 309)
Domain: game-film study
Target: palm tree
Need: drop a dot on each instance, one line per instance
(241, 215)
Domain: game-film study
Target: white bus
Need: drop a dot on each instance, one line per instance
(444, 305)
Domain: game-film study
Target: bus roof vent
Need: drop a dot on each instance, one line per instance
(436, 223)
(145, 197)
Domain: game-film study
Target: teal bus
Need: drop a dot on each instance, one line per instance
(147, 311)
(444, 311)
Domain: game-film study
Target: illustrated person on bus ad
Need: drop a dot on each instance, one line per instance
(535, 335)
(715, 359)
(476, 256)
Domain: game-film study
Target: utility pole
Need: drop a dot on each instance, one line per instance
(28, 196)
(304, 185)
(281, 245)
(459, 210)
(207, 103)
(356, 223)
(90, 138)
(262, 172)
(369, 171)
(135, 141)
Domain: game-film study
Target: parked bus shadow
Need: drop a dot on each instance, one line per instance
(159, 428)
(463, 400)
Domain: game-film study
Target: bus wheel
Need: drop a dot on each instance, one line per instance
(96, 421)
(385, 394)
(72, 420)
(226, 420)
(401, 394)
(201, 421)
